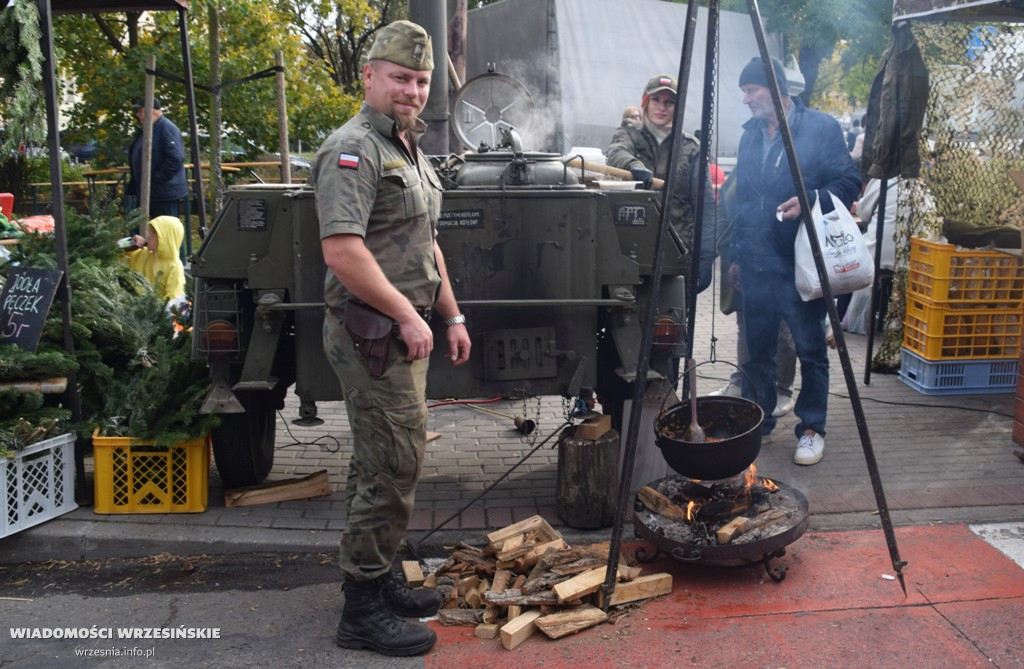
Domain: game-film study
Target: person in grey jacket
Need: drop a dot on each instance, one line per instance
(767, 217)
(167, 183)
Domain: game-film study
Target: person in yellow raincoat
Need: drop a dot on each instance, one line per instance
(156, 257)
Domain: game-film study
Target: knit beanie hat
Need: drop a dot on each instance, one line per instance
(753, 73)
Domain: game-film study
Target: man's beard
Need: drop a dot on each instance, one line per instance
(406, 121)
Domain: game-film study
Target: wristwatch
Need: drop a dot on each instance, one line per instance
(455, 320)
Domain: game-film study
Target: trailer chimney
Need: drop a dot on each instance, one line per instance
(433, 16)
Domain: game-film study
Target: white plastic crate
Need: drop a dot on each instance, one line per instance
(38, 484)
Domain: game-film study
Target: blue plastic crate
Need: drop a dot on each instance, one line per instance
(958, 377)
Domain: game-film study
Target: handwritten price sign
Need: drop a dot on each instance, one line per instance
(24, 304)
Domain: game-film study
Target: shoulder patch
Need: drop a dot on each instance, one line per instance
(348, 160)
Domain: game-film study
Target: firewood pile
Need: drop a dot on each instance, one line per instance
(527, 579)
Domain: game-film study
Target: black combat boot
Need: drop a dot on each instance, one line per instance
(410, 603)
(366, 622)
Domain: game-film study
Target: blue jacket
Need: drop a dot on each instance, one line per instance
(760, 241)
(168, 163)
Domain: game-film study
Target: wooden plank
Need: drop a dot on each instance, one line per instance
(413, 573)
(644, 587)
(314, 485)
(487, 631)
(432, 436)
(568, 622)
(518, 630)
(660, 504)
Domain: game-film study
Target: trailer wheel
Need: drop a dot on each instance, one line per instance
(243, 443)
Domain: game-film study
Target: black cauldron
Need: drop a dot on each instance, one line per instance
(733, 426)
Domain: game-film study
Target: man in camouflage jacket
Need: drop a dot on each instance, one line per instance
(378, 201)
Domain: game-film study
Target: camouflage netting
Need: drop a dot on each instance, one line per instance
(973, 134)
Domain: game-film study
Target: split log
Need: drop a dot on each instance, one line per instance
(644, 587)
(568, 622)
(544, 531)
(737, 525)
(660, 504)
(741, 525)
(459, 616)
(498, 585)
(515, 609)
(580, 585)
(413, 573)
(487, 631)
(578, 566)
(314, 485)
(534, 554)
(519, 629)
(516, 597)
(543, 583)
(430, 581)
(475, 560)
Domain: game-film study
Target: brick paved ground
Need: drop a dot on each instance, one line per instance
(939, 456)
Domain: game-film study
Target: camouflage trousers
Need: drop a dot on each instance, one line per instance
(388, 418)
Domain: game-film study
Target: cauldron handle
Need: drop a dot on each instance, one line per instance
(738, 368)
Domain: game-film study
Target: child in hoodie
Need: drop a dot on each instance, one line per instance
(156, 257)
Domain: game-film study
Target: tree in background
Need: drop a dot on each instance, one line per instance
(338, 33)
(108, 72)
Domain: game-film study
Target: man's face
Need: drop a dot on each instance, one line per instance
(397, 91)
(759, 100)
(661, 108)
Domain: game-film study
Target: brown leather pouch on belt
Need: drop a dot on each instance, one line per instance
(371, 332)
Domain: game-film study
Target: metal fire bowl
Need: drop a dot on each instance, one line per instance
(730, 555)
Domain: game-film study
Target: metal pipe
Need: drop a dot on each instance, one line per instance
(647, 329)
(880, 206)
(193, 124)
(830, 304)
(433, 16)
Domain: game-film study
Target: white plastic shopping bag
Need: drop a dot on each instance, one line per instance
(848, 263)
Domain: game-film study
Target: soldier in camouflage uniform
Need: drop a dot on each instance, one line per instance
(378, 201)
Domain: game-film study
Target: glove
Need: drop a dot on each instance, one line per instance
(643, 175)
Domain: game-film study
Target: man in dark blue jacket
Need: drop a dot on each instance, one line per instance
(767, 219)
(167, 168)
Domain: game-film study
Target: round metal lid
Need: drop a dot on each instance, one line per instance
(487, 105)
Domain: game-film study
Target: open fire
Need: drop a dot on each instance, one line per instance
(740, 510)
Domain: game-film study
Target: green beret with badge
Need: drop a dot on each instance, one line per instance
(403, 43)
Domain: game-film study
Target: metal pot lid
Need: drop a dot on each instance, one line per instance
(487, 105)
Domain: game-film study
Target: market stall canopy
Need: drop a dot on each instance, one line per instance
(101, 6)
(958, 10)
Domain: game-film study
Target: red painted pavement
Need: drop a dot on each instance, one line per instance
(964, 608)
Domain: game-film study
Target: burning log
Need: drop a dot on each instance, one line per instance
(742, 524)
(660, 504)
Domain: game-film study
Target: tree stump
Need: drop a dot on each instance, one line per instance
(588, 480)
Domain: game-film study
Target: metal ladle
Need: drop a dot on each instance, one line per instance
(694, 433)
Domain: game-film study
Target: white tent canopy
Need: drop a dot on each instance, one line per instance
(584, 61)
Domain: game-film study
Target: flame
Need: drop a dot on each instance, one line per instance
(769, 485)
(750, 478)
(691, 510)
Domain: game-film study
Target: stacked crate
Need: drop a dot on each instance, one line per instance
(962, 331)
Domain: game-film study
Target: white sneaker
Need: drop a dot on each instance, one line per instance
(809, 450)
(785, 405)
(728, 390)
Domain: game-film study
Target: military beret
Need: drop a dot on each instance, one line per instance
(403, 43)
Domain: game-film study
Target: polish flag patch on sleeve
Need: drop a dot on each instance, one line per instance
(348, 160)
